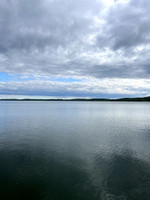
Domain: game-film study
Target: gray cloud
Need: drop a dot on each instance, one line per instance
(127, 25)
(75, 38)
(38, 24)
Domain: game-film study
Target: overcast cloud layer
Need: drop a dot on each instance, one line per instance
(75, 48)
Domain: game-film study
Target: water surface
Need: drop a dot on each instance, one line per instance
(74, 151)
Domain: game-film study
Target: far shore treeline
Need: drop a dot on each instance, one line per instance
(83, 99)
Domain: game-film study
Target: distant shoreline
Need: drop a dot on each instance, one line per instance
(137, 99)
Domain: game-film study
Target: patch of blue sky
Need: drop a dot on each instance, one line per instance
(53, 78)
(5, 77)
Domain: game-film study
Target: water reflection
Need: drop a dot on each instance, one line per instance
(115, 177)
(74, 151)
(122, 177)
(24, 176)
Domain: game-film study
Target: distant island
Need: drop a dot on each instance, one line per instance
(146, 99)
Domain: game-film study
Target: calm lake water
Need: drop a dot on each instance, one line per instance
(74, 151)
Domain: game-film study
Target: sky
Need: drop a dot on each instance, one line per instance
(74, 48)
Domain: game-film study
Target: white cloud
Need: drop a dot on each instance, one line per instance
(83, 88)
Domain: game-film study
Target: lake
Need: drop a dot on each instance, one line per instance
(74, 150)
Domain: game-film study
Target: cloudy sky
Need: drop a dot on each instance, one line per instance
(74, 48)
